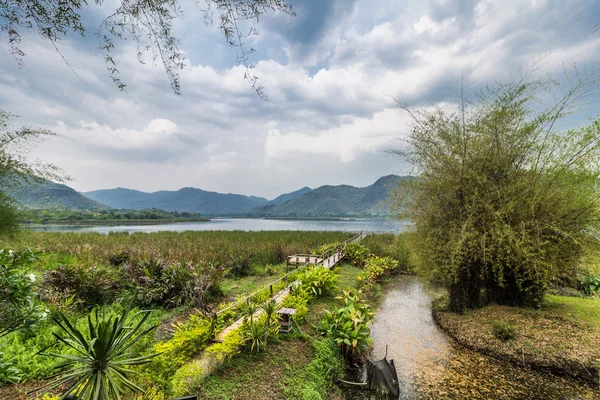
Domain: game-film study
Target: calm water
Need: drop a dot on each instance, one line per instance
(431, 366)
(244, 224)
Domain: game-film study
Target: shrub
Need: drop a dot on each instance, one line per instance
(591, 284)
(119, 258)
(298, 301)
(503, 330)
(19, 306)
(356, 254)
(191, 375)
(348, 325)
(8, 372)
(377, 268)
(238, 265)
(189, 339)
(90, 286)
(318, 281)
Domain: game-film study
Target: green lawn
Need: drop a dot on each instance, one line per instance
(574, 308)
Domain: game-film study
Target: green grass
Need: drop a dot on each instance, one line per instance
(574, 308)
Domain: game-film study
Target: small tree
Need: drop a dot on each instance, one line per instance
(15, 167)
(504, 202)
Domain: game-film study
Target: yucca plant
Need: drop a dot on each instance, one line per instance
(255, 335)
(248, 310)
(100, 368)
(270, 309)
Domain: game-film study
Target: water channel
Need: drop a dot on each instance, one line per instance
(431, 366)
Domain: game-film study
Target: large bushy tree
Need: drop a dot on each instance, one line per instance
(506, 199)
(149, 23)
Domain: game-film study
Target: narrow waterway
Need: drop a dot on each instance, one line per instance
(432, 366)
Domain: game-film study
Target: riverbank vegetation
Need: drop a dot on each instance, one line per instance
(105, 216)
(184, 278)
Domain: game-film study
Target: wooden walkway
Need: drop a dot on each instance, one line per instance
(328, 262)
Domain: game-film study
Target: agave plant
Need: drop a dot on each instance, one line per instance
(100, 368)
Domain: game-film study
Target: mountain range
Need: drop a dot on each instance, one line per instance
(324, 201)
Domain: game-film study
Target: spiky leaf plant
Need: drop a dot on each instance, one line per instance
(100, 368)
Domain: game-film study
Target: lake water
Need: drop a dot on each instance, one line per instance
(245, 224)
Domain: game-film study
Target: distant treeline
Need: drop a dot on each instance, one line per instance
(46, 216)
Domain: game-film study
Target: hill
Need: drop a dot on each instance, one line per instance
(47, 194)
(335, 201)
(290, 196)
(185, 199)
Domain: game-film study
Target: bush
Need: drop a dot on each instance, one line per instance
(349, 325)
(356, 254)
(503, 330)
(298, 301)
(506, 202)
(19, 306)
(91, 286)
(8, 372)
(189, 339)
(238, 265)
(377, 268)
(591, 284)
(318, 281)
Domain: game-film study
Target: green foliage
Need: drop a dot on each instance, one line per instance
(298, 301)
(356, 254)
(591, 284)
(505, 203)
(189, 339)
(375, 269)
(348, 325)
(389, 245)
(87, 286)
(256, 336)
(54, 203)
(313, 381)
(19, 306)
(503, 330)
(323, 249)
(8, 372)
(213, 247)
(9, 215)
(100, 369)
(318, 281)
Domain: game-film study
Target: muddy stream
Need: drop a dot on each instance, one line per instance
(431, 366)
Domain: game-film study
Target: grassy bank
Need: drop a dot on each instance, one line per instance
(562, 337)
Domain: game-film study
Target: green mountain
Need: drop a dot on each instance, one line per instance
(47, 194)
(289, 196)
(186, 199)
(335, 201)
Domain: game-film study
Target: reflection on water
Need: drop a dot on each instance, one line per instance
(432, 366)
(245, 224)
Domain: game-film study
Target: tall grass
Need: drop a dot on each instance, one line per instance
(268, 247)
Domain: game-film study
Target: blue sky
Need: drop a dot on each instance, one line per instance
(330, 74)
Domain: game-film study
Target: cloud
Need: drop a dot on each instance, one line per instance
(330, 75)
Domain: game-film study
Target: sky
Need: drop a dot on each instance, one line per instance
(331, 75)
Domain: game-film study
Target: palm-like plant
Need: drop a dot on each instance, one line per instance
(100, 368)
(256, 336)
(248, 310)
(269, 308)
